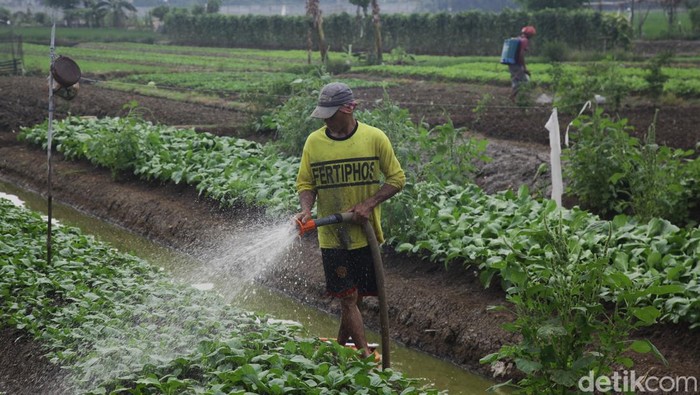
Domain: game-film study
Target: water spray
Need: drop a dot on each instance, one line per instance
(378, 270)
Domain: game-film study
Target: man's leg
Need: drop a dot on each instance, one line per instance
(351, 324)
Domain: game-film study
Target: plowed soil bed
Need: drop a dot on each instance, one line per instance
(437, 310)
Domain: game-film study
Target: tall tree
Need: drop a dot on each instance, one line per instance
(671, 9)
(62, 4)
(362, 5)
(213, 6)
(116, 8)
(313, 11)
(376, 20)
(94, 14)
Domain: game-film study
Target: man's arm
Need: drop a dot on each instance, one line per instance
(363, 210)
(307, 198)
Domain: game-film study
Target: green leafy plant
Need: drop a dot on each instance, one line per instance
(482, 106)
(611, 172)
(444, 155)
(292, 121)
(400, 56)
(555, 51)
(574, 87)
(439, 221)
(118, 325)
(655, 77)
(659, 186)
(595, 165)
(566, 332)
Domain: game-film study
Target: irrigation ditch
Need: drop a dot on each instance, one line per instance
(438, 310)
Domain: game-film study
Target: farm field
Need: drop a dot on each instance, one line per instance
(462, 331)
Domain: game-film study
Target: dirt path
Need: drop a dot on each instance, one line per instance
(442, 312)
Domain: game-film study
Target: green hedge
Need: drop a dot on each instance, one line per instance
(467, 33)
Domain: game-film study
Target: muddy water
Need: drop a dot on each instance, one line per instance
(441, 374)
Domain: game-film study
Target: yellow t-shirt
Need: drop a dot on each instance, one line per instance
(344, 173)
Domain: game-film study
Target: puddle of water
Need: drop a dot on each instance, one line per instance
(441, 374)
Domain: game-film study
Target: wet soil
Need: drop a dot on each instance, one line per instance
(442, 311)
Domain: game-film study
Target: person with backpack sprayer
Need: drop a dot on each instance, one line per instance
(514, 56)
(341, 170)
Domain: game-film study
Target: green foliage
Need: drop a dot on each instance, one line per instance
(694, 15)
(213, 6)
(229, 170)
(524, 95)
(465, 33)
(441, 154)
(616, 31)
(574, 87)
(5, 15)
(656, 78)
(440, 221)
(399, 56)
(656, 25)
(535, 5)
(593, 167)
(337, 66)
(482, 106)
(291, 121)
(611, 172)
(566, 332)
(64, 4)
(160, 11)
(118, 325)
(661, 180)
(450, 223)
(554, 51)
(444, 155)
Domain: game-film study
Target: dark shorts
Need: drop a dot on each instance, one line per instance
(349, 270)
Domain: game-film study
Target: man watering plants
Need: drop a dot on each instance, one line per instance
(341, 169)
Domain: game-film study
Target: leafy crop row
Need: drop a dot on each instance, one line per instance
(464, 224)
(232, 171)
(121, 326)
(444, 222)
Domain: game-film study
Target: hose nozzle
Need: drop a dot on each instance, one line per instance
(315, 223)
(307, 227)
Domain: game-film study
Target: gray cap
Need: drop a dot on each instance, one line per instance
(331, 98)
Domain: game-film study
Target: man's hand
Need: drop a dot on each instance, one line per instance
(361, 212)
(307, 200)
(302, 217)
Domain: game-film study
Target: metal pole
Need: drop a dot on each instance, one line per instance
(52, 55)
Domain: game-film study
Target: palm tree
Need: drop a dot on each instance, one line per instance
(313, 10)
(376, 21)
(94, 14)
(116, 8)
(377, 31)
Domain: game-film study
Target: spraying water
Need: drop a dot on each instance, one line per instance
(238, 259)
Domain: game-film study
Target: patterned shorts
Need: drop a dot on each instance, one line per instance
(349, 270)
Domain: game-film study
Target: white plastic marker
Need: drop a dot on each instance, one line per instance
(555, 156)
